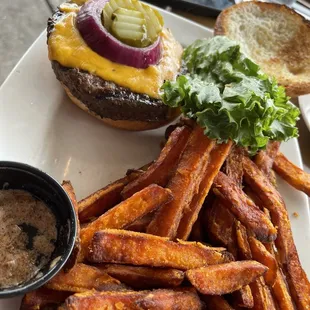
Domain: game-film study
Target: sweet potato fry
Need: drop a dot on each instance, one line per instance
(260, 254)
(225, 278)
(169, 300)
(229, 257)
(243, 208)
(234, 170)
(182, 122)
(216, 302)
(67, 186)
(221, 229)
(187, 121)
(81, 278)
(292, 174)
(113, 287)
(43, 297)
(243, 298)
(170, 129)
(224, 226)
(125, 213)
(296, 277)
(197, 233)
(279, 290)
(145, 277)
(140, 170)
(161, 170)
(141, 224)
(273, 202)
(183, 184)
(262, 296)
(148, 300)
(254, 197)
(105, 198)
(126, 247)
(233, 167)
(190, 215)
(281, 293)
(264, 160)
(244, 250)
(220, 225)
(261, 292)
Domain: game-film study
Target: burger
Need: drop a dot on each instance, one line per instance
(112, 57)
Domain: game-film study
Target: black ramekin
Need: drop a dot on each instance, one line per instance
(14, 175)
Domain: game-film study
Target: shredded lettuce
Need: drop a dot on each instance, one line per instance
(228, 95)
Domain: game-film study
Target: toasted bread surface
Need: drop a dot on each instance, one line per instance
(275, 37)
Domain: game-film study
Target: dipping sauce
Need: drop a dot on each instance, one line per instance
(27, 236)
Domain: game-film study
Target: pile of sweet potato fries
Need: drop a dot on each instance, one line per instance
(202, 227)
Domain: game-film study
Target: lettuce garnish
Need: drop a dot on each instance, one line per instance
(228, 95)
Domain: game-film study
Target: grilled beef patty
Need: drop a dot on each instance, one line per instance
(105, 98)
(109, 100)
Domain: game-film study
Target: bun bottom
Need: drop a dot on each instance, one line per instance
(122, 124)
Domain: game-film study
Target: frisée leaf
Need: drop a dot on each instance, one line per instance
(228, 95)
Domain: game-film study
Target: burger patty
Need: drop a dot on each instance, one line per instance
(105, 98)
(109, 100)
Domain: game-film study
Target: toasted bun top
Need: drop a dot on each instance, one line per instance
(275, 37)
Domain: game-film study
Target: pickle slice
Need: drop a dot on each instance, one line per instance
(129, 26)
(132, 12)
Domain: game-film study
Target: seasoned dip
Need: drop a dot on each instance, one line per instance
(27, 236)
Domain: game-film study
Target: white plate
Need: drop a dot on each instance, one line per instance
(41, 127)
(304, 104)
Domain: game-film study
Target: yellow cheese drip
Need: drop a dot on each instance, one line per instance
(68, 48)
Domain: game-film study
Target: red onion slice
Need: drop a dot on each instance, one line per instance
(103, 43)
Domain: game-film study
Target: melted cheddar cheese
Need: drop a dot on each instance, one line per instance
(66, 46)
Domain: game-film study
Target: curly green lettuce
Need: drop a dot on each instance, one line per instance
(228, 95)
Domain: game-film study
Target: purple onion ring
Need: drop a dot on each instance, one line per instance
(89, 24)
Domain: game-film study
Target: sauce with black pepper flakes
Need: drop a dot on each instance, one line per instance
(27, 236)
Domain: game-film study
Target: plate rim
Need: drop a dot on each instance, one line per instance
(182, 19)
(305, 108)
(173, 15)
(301, 99)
